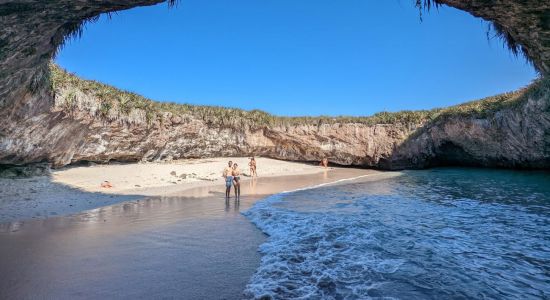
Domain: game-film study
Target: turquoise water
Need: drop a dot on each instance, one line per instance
(435, 234)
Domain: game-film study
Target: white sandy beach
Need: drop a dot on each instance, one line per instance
(159, 178)
(74, 189)
(192, 244)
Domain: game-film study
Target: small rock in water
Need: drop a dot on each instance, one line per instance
(137, 185)
(173, 173)
(183, 176)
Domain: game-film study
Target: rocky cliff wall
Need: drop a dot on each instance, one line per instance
(74, 129)
(77, 129)
(515, 136)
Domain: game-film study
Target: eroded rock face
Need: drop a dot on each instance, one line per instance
(63, 136)
(35, 128)
(31, 31)
(518, 136)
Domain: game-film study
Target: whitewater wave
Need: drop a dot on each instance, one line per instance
(314, 254)
(430, 234)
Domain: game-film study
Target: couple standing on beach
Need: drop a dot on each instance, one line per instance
(232, 175)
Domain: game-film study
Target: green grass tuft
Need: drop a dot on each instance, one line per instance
(124, 102)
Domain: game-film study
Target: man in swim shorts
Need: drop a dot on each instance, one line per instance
(228, 175)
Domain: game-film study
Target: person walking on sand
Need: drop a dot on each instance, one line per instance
(228, 175)
(252, 165)
(237, 180)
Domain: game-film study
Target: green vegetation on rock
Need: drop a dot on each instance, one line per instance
(113, 101)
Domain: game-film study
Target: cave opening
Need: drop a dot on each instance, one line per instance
(325, 74)
(230, 55)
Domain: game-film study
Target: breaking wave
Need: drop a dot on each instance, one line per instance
(445, 233)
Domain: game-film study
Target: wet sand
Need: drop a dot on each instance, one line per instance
(190, 246)
(77, 188)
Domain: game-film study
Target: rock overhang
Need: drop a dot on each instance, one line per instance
(32, 31)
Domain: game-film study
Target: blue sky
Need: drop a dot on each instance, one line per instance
(307, 57)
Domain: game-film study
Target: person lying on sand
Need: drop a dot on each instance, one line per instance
(237, 180)
(228, 175)
(252, 165)
(106, 184)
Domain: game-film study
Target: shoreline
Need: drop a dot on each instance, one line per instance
(144, 244)
(72, 190)
(160, 178)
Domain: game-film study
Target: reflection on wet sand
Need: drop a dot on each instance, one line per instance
(190, 246)
(232, 204)
(252, 182)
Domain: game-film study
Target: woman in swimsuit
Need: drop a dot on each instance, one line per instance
(324, 162)
(252, 165)
(237, 180)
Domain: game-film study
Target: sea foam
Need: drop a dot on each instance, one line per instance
(318, 253)
(438, 234)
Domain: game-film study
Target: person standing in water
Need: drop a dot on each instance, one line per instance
(324, 162)
(252, 165)
(228, 175)
(237, 180)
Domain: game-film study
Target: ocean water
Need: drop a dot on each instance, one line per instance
(446, 233)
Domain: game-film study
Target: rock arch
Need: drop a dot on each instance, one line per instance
(31, 31)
